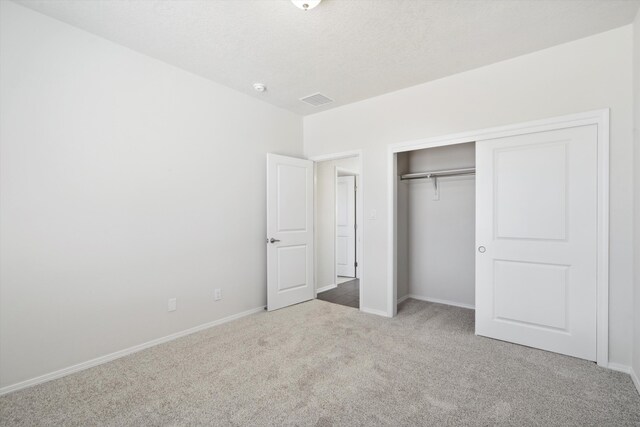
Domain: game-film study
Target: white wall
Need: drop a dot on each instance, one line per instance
(636, 125)
(441, 233)
(402, 226)
(125, 181)
(583, 75)
(326, 217)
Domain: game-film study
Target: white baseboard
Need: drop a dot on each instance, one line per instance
(620, 368)
(440, 301)
(374, 311)
(326, 288)
(402, 299)
(635, 380)
(118, 354)
(627, 370)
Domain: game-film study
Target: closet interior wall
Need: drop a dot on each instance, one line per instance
(436, 238)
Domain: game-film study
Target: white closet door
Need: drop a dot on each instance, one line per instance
(345, 226)
(536, 227)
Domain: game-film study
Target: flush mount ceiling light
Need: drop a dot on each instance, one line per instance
(306, 4)
(259, 87)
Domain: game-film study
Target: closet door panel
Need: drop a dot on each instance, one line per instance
(530, 191)
(536, 224)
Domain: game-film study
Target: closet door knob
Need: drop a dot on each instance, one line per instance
(482, 249)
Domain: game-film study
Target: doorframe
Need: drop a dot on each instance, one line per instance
(359, 215)
(600, 118)
(337, 171)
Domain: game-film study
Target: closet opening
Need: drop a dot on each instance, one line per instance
(527, 251)
(435, 217)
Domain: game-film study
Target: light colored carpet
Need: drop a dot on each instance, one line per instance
(322, 364)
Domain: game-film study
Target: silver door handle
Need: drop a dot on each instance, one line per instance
(272, 240)
(482, 249)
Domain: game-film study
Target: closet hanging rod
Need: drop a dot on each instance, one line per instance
(440, 173)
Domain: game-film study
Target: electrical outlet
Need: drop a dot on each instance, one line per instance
(217, 294)
(172, 304)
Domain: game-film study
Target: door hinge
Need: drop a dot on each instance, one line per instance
(355, 264)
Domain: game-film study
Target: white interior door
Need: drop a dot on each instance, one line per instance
(289, 231)
(346, 226)
(536, 226)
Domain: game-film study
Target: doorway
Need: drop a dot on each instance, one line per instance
(302, 230)
(338, 239)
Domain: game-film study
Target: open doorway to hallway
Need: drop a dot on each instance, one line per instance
(337, 233)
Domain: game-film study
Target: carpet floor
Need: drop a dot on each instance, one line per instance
(322, 364)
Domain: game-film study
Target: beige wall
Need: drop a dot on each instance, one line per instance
(587, 74)
(125, 182)
(326, 217)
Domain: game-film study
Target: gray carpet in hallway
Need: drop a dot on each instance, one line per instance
(323, 364)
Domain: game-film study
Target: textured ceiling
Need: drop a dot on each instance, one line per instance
(346, 49)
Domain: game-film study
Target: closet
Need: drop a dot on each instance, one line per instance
(513, 225)
(436, 225)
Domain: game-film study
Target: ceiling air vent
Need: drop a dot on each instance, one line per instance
(317, 99)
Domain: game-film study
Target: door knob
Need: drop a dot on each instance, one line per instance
(272, 240)
(482, 249)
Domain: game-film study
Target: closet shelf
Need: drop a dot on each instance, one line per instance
(438, 174)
